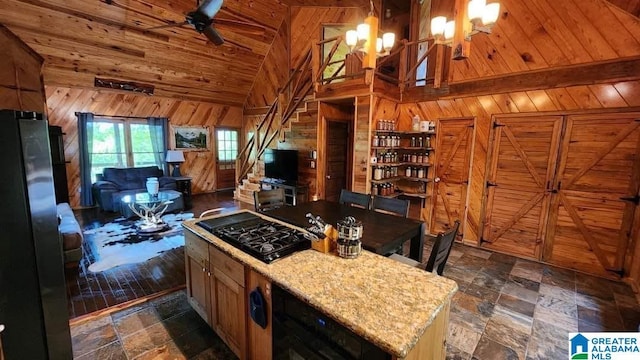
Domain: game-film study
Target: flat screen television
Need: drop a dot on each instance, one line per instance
(281, 165)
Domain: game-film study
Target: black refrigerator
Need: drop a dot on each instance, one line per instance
(33, 303)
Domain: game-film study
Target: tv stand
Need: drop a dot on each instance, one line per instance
(291, 191)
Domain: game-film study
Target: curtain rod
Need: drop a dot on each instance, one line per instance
(120, 116)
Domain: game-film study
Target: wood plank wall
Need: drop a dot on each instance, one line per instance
(274, 71)
(541, 34)
(362, 145)
(63, 103)
(306, 25)
(21, 86)
(615, 95)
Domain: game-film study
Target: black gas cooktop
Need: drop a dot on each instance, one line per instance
(263, 239)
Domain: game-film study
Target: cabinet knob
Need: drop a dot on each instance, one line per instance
(436, 180)
(209, 273)
(328, 176)
(203, 269)
(1, 328)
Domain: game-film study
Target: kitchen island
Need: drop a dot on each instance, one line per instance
(400, 309)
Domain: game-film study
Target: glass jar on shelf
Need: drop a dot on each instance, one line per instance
(414, 158)
(425, 158)
(419, 159)
(374, 189)
(421, 173)
(377, 173)
(414, 172)
(407, 171)
(420, 142)
(413, 141)
(428, 142)
(376, 141)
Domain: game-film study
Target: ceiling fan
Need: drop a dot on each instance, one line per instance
(202, 20)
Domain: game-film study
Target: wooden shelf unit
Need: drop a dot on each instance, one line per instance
(405, 185)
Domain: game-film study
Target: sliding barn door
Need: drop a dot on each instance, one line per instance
(522, 162)
(596, 193)
(451, 174)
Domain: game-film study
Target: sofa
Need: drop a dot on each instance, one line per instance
(70, 233)
(114, 183)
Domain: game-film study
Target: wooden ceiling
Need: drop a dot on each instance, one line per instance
(82, 39)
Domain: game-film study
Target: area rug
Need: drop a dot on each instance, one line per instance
(118, 243)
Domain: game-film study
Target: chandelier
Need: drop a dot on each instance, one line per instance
(365, 39)
(477, 17)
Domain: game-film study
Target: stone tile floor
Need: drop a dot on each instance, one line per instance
(507, 308)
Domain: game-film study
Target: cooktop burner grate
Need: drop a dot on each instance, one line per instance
(263, 239)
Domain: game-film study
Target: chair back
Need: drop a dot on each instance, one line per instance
(441, 249)
(354, 198)
(265, 200)
(392, 206)
(210, 211)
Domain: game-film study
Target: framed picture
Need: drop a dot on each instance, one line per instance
(189, 138)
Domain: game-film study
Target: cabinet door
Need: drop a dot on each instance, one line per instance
(228, 305)
(197, 279)
(521, 167)
(455, 138)
(259, 338)
(597, 189)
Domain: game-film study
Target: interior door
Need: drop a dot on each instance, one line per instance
(336, 164)
(596, 193)
(522, 164)
(451, 174)
(227, 152)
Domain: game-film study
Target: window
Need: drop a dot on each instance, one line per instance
(227, 144)
(122, 143)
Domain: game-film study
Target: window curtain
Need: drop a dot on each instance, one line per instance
(85, 137)
(159, 128)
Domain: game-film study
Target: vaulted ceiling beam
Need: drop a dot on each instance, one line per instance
(583, 74)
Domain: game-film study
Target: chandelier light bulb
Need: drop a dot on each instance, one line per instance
(491, 13)
(378, 45)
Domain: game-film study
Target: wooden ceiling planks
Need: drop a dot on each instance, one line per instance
(542, 34)
(83, 39)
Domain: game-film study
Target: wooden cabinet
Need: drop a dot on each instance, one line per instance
(216, 291)
(260, 339)
(228, 301)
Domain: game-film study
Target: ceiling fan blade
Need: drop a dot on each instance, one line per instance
(213, 35)
(209, 7)
(170, 25)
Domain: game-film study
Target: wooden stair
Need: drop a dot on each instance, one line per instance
(244, 191)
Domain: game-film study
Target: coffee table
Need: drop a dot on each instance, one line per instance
(150, 208)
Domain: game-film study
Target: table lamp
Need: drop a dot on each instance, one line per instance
(175, 157)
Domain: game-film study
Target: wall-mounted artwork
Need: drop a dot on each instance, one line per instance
(186, 138)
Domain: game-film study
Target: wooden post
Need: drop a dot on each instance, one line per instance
(402, 67)
(461, 46)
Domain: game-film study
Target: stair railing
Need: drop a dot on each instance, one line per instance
(289, 97)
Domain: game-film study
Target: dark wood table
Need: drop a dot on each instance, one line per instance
(382, 233)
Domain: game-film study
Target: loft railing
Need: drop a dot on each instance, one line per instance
(289, 98)
(404, 67)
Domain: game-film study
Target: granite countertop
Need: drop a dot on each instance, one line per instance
(384, 301)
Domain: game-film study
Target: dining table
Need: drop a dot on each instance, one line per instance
(382, 233)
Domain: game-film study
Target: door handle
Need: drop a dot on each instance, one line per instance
(328, 176)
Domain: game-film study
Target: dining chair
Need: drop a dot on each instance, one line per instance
(265, 200)
(353, 198)
(394, 206)
(439, 253)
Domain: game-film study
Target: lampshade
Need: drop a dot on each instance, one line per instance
(476, 9)
(363, 32)
(437, 26)
(449, 29)
(388, 39)
(491, 13)
(175, 156)
(352, 38)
